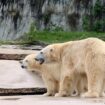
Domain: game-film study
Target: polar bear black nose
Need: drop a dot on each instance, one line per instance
(22, 66)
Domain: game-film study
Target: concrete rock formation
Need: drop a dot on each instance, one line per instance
(16, 16)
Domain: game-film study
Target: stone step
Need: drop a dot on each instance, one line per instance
(14, 54)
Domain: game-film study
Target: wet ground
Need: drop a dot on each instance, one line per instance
(41, 100)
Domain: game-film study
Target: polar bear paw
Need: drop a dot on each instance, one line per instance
(48, 94)
(64, 94)
(103, 94)
(90, 95)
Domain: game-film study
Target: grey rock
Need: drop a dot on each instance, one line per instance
(16, 16)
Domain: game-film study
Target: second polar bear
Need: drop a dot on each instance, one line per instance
(51, 75)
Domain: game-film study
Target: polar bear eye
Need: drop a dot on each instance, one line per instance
(51, 50)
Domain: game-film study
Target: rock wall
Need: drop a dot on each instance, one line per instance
(16, 16)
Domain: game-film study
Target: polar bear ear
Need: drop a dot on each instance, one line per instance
(41, 52)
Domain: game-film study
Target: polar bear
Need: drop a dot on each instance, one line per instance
(85, 56)
(51, 75)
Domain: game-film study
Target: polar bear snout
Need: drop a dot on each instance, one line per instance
(22, 66)
(40, 58)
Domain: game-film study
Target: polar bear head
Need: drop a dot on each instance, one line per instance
(29, 63)
(49, 54)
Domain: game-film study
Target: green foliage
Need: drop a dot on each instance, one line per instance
(60, 36)
(95, 21)
(98, 25)
(31, 33)
(32, 27)
(47, 17)
(54, 28)
(53, 37)
(57, 34)
(98, 9)
(57, 28)
(86, 25)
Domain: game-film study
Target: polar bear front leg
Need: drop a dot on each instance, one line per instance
(65, 87)
(52, 86)
(66, 79)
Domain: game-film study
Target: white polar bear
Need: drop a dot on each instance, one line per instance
(85, 56)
